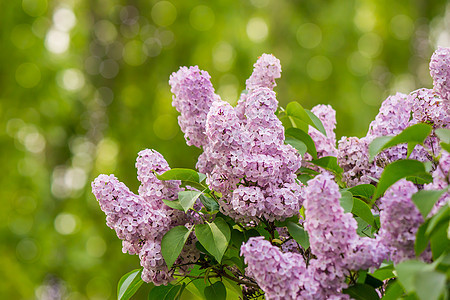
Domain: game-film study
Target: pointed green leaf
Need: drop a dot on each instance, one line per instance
(397, 170)
(328, 163)
(210, 204)
(317, 122)
(175, 204)
(425, 200)
(214, 237)
(299, 234)
(165, 292)
(407, 270)
(361, 291)
(216, 291)
(429, 285)
(362, 210)
(180, 174)
(384, 273)
(394, 291)
(422, 240)
(294, 109)
(414, 135)
(188, 198)
(129, 284)
(297, 144)
(173, 242)
(363, 190)
(346, 201)
(303, 137)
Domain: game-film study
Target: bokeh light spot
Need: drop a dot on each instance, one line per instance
(402, 27)
(259, 3)
(370, 44)
(34, 8)
(64, 19)
(57, 41)
(202, 18)
(105, 31)
(22, 37)
(107, 151)
(109, 68)
(164, 13)
(223, 56)
(371, 93)
(309, 35)
(65, 223)
(319, 68)
(71, 79)
(257, 30)
(28, 75)
(364, 19)
(152, 47)
(133, 53)
(359, 65)
(27, 250)
(95, 246)
(165, 126)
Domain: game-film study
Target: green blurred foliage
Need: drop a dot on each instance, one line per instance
(83, 88)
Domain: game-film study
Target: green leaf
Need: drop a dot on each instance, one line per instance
(362, 210)
(328, 163)
(201, 177)
(180, 174)
(384, 273)
(299, 145)
(298, 123)
(192, 184)
(317, 122)
(173, 242)
(303, 137)
(295, 110)
(397, 170)
(188, 198)
(407, 270)
(425, 200)
(210, 204)
(299, 234)
(308, 171)
(439, 241)
(429, 285)
(304, 178)
(442, 215)
(361, 291)
(129, 284)
(445, 146)
(175, 204)
(394, 291)
(363, 190)
(346, 201)
(216, 291)
(443, 134)
(165, 292)
(413, 135)
(214, 237)
(422, 239)
(377, 144)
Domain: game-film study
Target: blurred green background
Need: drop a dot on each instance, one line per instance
(83, 88)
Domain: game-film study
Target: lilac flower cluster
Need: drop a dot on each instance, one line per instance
(280, 275)
(193, 96)
(400, 220)
(325, 145)
(142, 220)
(334, 242)
(440, 72)
(244, 156)
(428, 107)
(353, 157)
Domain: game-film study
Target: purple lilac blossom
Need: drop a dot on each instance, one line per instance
(325, 145)
(400, 219)
(353, 157)
(440, 182)
(280, 275)
(440, 72)
(266, 69)
(193, 97)
(333, 237)
(428, 107)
